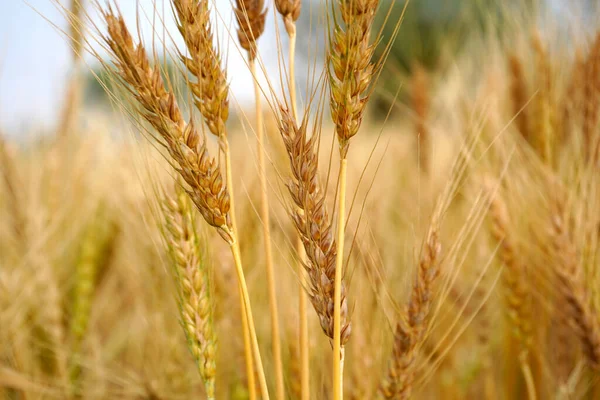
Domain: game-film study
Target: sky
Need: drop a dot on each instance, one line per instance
(35, 58)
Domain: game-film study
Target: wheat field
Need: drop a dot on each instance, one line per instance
(303, 247)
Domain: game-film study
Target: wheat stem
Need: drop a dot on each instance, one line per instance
(303, 334)
(224, 146)
(235, 252)
(528, 376)
(249, 359)
(338, 349)
(265, 217)
(292, 58)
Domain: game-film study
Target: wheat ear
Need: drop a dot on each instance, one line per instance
(581, 313)
(592, 101)
(186, 147)
(350, 73)
(93, 254)
(519, 94)
(518, 296)
(311, 220)
(73, 94)
(250, 15)
(11, 182)
(193, 285)
(543, 103)
(211, 97)
(412, 327)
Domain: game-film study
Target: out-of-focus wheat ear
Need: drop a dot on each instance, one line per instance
(420, 102)
(414, 323)
(516, 284)
(94, 254)
(581, 315)
(72, 101)
(190, 270)
(519, 94)
(592, 102)
(10, 183)
(573, 105)
(543, 102)
(350, 71)
(290, 12)
(250, 15)
(187, 148)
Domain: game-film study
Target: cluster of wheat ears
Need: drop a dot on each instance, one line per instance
(480, 281)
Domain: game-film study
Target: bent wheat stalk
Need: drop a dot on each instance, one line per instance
(185, 146)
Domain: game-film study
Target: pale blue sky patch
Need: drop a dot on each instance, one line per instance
(35, 57)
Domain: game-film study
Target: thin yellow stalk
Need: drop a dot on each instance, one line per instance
(303, 336)
(247, 349)
(264, 215)
(292, 58)
(235, 252)
(224, 146)
(338, 349)
(529, 381)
